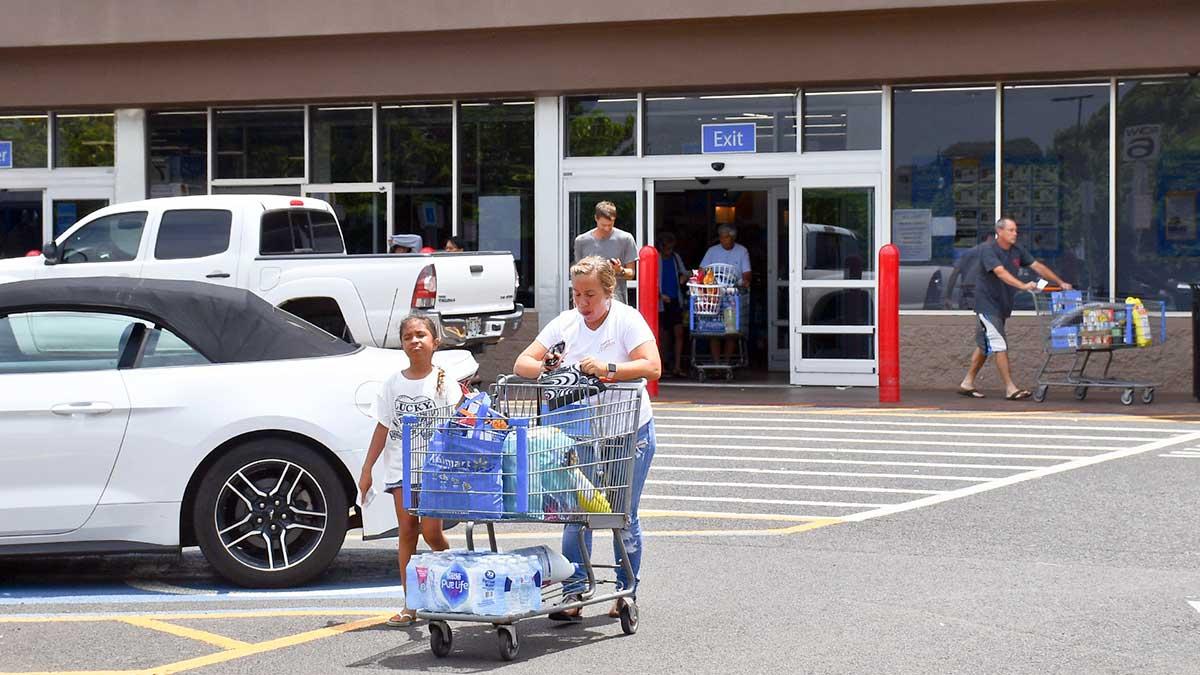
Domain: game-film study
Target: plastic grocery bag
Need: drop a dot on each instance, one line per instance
(461, 475)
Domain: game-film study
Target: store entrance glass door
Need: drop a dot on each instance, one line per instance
(580, 203)
(364, 211)
(834, 241)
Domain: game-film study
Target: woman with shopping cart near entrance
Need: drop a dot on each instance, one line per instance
(609, 340)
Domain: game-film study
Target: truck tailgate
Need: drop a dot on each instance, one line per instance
(478, 283)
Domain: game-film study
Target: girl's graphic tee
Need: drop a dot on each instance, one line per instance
(402, 396)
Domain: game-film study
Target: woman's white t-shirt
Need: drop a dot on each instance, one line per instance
(623, 331)
(402, 396)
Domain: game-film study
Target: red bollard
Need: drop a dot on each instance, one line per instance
(647, 274)
(889, 324)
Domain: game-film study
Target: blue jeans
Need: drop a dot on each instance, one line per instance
(631, 535)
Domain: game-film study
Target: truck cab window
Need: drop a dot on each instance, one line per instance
(112, 238)
(300, 231)
(193, 233)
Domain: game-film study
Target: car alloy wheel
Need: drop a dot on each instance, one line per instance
(271, 515)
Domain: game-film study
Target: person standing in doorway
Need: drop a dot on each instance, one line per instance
(615, 246)
(995, 289)
(671, 278)
(729, 252)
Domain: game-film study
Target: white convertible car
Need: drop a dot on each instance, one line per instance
(147, 415)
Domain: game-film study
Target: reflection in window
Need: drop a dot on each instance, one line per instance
(1055, 181)
(67, 212)
(83, 140)
(674, 123)
(178, 153)
(28, 135)
(260, 143)
(943, 183)
(341, 144)
(842, 120)
(1158, 180)
(114, 238)
(496, 174)
(416, 155)
(839, 233)
(601, 126)
(50, 342)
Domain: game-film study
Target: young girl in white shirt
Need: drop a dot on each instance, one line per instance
(422, 390)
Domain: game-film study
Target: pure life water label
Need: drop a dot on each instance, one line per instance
(455, 586)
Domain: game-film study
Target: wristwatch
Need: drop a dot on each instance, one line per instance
(612, 370)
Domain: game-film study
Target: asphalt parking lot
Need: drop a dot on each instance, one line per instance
(779, 539)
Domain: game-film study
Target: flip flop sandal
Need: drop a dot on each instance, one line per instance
(401, 620)
(970, 393)
(1019, 395)
(615, 612)
(569, 614)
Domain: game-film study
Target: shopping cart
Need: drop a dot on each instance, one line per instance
(1076, 328)
(719, 309)
(568, 453)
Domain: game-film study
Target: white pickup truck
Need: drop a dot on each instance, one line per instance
(289, 251)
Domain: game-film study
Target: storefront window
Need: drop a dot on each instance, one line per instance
(178, 153)
(20, 222)
(601, 126)
(943, 185)
(842, 120)
(1055, 178)
(260, 143)
(1158, 180)
(496, 183)
(675, 123)
(341, 144)
(27, 133)
(83, 140)
(417, 156)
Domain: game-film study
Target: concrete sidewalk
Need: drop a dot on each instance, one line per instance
(1173, 406)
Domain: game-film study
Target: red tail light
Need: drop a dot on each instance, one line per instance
(425, 292)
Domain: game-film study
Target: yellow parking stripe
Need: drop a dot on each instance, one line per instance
(185, 632)
(269, 646)
(179, 616)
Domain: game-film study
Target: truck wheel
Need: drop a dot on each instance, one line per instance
(271, 513)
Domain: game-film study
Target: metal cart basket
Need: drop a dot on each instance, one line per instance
(1077, 330)
(566, 454)
(718, 310)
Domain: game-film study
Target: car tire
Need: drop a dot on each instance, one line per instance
(271, 513)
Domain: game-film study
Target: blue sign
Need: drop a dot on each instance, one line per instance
(6, 154)
(717, 138)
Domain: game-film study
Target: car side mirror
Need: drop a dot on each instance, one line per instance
(51, 252)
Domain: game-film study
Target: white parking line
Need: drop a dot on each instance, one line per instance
(893, 441)
(790, 472)
(864, 462)
(788, 486)
(890, 432)
(1005, 424)
(752, 500)
(859, 451)
(1022, 477)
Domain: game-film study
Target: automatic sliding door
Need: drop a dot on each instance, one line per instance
(581, 199)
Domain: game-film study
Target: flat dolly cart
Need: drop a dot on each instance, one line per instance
(553, 433)
(720, 310)
(1077, 330)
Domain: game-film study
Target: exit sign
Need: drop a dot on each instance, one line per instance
(718, 138)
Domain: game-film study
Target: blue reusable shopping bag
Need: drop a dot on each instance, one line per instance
(461, 476)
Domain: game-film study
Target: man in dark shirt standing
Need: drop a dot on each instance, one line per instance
(995, 289)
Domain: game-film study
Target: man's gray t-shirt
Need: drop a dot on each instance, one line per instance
(993, 297)
(619, 245)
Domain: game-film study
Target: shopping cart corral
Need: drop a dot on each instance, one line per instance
(718, 308)
(1085, 334)
(554, 451)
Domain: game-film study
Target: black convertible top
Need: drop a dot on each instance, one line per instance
(226, 325)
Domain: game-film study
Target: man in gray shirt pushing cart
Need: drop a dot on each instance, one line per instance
(615, 246)
(995, 289)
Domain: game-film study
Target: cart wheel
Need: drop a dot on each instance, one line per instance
(440, 638)
(1148, 395)
(629, 617)
(1127, 397)
(1080, 393)
(509, 645)
(1039, 394)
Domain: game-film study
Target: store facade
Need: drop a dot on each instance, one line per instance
(820, 135)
